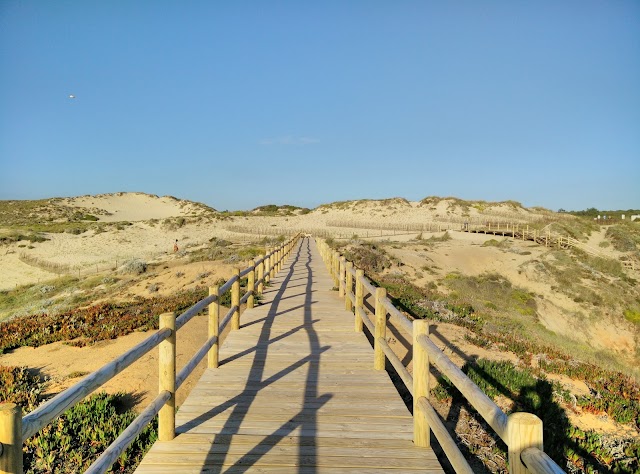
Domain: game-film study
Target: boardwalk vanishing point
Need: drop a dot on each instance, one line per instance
(295, 391)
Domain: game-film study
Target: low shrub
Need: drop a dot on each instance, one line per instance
(369, 257)
(134, 266)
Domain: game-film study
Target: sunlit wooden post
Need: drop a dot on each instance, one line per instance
(381, 328)
(10, 438)
(214, 328)
(341, 279)
(359, 299)
(267, 268)
(261, 275)
(272, 264)
(235, 300)
(421, 434)
(348, 286)
(524, 430)
(167, 371)
(251, 287)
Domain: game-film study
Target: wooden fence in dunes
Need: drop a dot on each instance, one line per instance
(16, 428)
(521, 432)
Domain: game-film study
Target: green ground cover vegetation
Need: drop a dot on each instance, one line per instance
(83, 326)
(76, 439)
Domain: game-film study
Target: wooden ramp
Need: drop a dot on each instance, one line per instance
(295, 392)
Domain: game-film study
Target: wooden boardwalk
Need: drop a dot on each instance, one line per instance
(295, 392)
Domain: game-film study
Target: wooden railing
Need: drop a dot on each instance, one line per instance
(542, 237)
(521, 432)
(16, 429)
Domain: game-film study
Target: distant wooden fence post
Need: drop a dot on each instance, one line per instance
(251, 287)
(235, 300)
(421, 434)
(381, 328)
(272, 264)
(261, 275)
(10, 438)
(167, 360)
(341, 279)
(267, 266)
(359, 299)
(524, 430)
(348, 286)
(214, 328)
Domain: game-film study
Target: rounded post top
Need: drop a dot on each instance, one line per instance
(523, 418)
(8, 407)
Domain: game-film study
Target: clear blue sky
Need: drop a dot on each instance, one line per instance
(239, 104)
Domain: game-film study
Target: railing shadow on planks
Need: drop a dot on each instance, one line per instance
(16, 429)
(521, 432)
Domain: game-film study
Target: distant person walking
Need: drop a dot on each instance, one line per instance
(175, 246)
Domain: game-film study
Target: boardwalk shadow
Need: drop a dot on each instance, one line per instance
(305, 421)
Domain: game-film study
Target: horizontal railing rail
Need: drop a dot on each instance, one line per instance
(16, 429)
(521, 432)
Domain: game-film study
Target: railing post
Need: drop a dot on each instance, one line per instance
(348, 286)
(267, 268)
(10, 438)
(359, 299)
(272, 264)
(341, 279)
(261, 275)
(335, 269)
(421, 431)
(167, 371)
(235, 300)
(524, 430)
(381, 328)
(251, 287)
(214, 328)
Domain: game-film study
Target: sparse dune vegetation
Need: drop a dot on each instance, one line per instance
(82, 272)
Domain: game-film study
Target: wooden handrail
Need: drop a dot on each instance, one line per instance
(46, 413)
(522, 432)
(15, 427)
(448, 445)
(476, 397)
(539, 462)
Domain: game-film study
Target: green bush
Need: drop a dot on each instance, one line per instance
(369, 257)
(632, 315)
